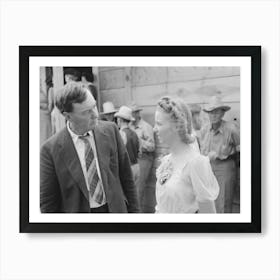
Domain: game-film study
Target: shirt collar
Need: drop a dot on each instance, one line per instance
(75, 136)
(140, 124)
(220, 129)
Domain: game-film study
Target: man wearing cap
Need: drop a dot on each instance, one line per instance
(85, 167)
(108, 112)
(130, 139)
(145, 134)
(220, 141)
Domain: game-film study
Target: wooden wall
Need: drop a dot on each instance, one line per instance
(145, 86)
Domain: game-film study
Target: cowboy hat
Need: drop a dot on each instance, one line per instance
(108, 108)
(215, 103)
(125, 113)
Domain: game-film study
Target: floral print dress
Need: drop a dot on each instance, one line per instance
(179, 190)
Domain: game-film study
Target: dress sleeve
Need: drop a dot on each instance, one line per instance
(203, 180)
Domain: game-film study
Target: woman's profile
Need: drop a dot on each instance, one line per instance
(185, 181)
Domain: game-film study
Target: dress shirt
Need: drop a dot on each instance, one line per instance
(80, 148)
(224, 141)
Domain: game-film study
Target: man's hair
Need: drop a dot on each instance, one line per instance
(89, 76)
(74, 92)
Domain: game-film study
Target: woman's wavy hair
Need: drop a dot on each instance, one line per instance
(179, 112)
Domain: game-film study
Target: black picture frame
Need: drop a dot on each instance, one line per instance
(254, 52)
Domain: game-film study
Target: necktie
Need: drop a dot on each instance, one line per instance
(95, 186)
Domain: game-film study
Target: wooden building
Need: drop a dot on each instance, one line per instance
(145, 85)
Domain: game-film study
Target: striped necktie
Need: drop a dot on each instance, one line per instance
(95, 186)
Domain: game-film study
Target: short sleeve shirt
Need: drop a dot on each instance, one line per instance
(224, 141)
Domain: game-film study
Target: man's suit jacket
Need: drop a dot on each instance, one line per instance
(62, 183)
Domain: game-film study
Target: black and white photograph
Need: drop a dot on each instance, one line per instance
(145, 141)
(163, 139)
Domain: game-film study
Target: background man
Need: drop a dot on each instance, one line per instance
(145, 134)
(109, 111)
(220, 142)
(71, 75)
(130, 139)
(85, 167)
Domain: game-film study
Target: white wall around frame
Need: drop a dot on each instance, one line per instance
(139, 256)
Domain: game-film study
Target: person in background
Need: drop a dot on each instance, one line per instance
(88, 79)
(145, 134)
(130, 139)
(71, 75)
(220, 141)
(108, 113)
(85, 167)
(196, 121)
(185, 181)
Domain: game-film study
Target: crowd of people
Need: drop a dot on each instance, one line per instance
(116, 162)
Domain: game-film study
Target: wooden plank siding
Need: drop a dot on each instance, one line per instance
(145, 86)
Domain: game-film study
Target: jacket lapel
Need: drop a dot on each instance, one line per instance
(72, 162)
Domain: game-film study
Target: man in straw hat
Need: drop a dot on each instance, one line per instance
(108, 112)
(145, 134)
(130, 139)
(220, 142)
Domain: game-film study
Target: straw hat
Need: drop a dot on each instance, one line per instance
(108, 108)
(215, 103)
(125, 113)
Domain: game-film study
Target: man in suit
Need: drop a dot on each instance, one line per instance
(85, 167)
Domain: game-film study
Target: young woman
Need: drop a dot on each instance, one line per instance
(185, 181)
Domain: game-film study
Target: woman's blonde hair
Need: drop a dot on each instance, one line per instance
(179, 112)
